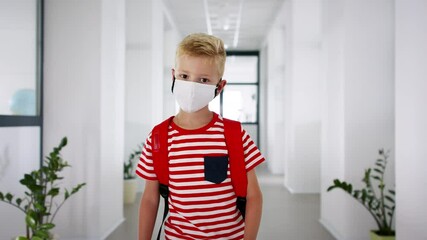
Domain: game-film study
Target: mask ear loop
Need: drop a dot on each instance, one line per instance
(173, 84)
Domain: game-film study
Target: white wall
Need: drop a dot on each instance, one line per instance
(138, 73)
(272, 81)
(293, 102)
(358, 114)
(411, 119)
(150, 51)
(302, 173)
(84, 100)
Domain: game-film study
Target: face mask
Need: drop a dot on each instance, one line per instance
(192, 96)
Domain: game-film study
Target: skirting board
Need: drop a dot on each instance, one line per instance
(105, 235)
(293, 191)
(331, 229)
(115, 226)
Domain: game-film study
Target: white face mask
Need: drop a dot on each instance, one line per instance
(192, 96)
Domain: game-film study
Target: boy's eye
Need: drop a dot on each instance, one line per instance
(182, 76)
(204, 80)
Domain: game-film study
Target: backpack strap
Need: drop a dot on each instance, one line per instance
(159, 138)
(239, 180)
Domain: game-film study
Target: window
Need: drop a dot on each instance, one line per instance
(21, 64)
(240, 98)
(20, 68)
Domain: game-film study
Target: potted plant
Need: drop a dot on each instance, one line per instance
(39, 205)
(379, 202)
(130, 184)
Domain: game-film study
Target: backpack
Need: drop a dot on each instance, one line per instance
(233, 139)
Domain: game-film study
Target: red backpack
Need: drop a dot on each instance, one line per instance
(233, 140)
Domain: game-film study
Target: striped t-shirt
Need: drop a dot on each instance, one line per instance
(199, 208)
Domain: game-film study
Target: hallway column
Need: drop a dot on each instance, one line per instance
(358, 111)
(294, 95)
(411, 119)
(84, 100)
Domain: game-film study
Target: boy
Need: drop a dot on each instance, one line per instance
(199, 207)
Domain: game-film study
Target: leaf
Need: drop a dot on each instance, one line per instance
(1, 196)
(66, 194)
(77, 188)
(53, 192)
(390, 199)
(63, 142)
(47, 226)
(39, 207)
(21, 238)
(41, 234)
(364, 195)
(349, 188)
(18, 201)
(9, 197)
(36, 238)
(392, 192)
(30, 221)
(379, 165)
(356, 194)
(378, 171)
(376, 178)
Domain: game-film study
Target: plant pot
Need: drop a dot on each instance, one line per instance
(52, 237)
(129, 191)
(375, 236)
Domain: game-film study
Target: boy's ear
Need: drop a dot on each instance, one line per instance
(220, 86)
(173, 73)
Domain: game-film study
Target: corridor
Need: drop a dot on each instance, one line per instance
(285, 216)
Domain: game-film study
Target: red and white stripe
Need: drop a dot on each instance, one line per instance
(199, 209)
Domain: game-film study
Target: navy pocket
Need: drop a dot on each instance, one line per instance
(216, 168)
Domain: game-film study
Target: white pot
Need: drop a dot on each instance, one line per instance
(52, 237)
(129, 191)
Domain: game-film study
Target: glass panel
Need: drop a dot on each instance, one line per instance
(241, 69)
(252, 130)
(19, 154)
(18, 58)
(240, 103)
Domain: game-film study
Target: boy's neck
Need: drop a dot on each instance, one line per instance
(193, 120)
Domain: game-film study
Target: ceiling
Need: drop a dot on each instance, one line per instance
(241, 24)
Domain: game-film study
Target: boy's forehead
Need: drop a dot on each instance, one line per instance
(195, 61)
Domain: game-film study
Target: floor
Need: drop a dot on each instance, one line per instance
(285, 216)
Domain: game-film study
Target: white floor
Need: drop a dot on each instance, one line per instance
(285, 216)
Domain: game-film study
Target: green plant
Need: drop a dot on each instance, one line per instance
(38, 205)
(128, 166)
(381, 205)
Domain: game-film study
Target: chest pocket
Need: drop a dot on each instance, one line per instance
(216, 168)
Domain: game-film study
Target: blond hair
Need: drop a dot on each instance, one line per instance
(203, 45)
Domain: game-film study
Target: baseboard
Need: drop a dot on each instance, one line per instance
(114, 227)
(293, 191)
(104, 236)
(326, 224)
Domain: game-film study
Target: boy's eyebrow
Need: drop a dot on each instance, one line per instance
(199, 75)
